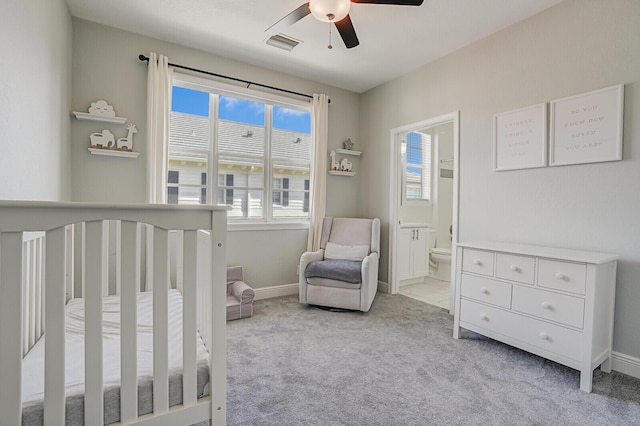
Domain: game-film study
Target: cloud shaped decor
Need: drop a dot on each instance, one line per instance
(101, 108)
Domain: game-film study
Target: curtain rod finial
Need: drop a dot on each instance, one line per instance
(143, 58)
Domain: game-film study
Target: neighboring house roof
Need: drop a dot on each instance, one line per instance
(193, 131)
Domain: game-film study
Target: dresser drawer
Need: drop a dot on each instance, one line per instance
(560, 308)
(549, 337)
(477, 261)
(565, 276)
(486, 290)
(515, 268)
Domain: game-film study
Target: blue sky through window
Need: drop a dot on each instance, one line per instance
(190, 101)
(240, 110)
(414, 148)
(291, 119)
(195, 102)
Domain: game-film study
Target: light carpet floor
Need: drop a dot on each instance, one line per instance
(398, 364)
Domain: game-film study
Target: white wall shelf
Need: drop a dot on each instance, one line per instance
(103, 119)
(114, 153)
(339, 173)
(348, 152)
(333, 171)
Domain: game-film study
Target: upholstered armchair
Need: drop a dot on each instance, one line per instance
(344, 272)
(239, 294)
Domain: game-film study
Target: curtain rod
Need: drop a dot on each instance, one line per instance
(247, 82)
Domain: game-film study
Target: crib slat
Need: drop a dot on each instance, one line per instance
(70, 250)
(189, 311)
(54, 355)
(160, 320)
(11, 327)
(39, 286)
(94, 282)
(118, 265)
(30, 277)
(26, 326)
(218, 353)
(129, 284)
(106, 230)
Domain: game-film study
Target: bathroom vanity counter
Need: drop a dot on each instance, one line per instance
(405, 225)
(553, 302)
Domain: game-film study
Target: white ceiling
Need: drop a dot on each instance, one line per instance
(393, 39)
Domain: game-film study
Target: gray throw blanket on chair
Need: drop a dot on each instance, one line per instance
(340, 270)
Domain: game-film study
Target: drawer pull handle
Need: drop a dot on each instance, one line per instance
(484, 317)
(545, 305)
(484, 290)
(560, 276)
(544, 336)
(514, 268)
(477, 262)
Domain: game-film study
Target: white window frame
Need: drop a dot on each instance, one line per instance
(222, 89)
(421, 202)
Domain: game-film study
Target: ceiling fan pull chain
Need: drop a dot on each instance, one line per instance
(330, 17)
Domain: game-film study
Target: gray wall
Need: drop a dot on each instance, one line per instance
(106, 66)
(575, 47)
(35, 76)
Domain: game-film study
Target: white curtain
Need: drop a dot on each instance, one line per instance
(320, 126)
(159, 82)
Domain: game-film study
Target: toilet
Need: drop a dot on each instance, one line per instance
(440, 262)
(439, 258)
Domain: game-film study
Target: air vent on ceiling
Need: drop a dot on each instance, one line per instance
(282, 42)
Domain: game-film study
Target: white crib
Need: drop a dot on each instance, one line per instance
(37, 251)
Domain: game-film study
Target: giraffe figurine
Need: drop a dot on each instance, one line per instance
(126, 144)
(334, 164)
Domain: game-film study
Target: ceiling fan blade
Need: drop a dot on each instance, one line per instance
(290, 19)
(395, 2)
(347, 32)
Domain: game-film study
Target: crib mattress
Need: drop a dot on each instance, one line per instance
(33, 363)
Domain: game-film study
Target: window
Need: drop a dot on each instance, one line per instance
(280, 192)
(258, 147)
(417, 167)
(225, 189)
(172, 190)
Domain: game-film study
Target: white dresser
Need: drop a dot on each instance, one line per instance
(555, 303)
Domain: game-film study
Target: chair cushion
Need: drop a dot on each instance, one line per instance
(326, 282)
(351, 231)
(340, 270)
(345, 252)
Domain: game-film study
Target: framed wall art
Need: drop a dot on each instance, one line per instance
(520, 138)
(587, 128)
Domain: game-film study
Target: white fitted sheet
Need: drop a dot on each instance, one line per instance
(33, 363)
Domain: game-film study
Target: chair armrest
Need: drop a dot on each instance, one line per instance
(305, 260)
(242, 292)
(308, 257)
(369, 285)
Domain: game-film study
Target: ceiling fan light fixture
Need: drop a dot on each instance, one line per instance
(329, 10)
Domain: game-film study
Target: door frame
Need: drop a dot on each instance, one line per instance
(395, 193)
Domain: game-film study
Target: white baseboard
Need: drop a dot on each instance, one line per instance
(625, 364)
(275, 291)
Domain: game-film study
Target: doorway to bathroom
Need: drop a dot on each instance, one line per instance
(424, 209)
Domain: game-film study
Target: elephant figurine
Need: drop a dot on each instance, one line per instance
(104, 139)
(346, 165)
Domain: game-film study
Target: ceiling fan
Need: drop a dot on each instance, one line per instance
(336, 12)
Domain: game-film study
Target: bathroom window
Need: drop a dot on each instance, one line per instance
(416, 158)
